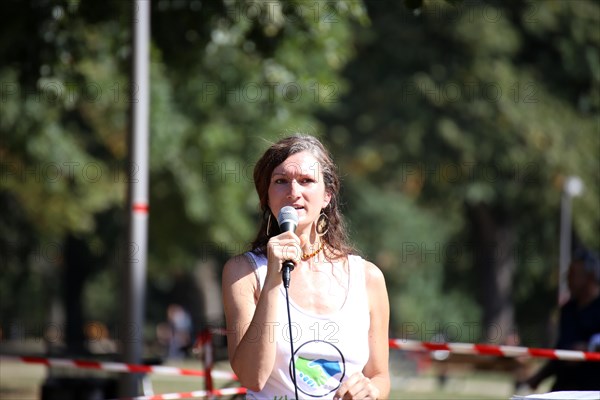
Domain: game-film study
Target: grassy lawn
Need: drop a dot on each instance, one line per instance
(20, 381)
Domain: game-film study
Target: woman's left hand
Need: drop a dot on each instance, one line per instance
(357, 386)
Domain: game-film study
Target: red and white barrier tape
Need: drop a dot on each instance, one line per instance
(192, 395)
(491, 350)
(482, 349)
(118, 367)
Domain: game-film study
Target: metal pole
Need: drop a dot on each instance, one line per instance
(565, 247)
(134, 283)
(572, 187)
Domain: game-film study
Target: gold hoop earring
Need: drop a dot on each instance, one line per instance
(269, 224)
(322, 225)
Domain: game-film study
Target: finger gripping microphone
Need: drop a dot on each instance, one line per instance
(288, 221)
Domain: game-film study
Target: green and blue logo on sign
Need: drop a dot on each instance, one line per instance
(320, 368)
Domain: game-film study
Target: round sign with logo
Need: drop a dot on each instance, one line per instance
(320, 368)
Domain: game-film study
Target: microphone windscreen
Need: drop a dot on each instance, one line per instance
(288, 215)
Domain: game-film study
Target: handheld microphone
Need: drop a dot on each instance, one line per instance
(288, 221)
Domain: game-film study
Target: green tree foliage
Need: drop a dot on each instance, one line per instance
(477, 111)
(226, 77)
(455, 125)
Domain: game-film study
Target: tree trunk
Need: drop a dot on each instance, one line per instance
(78, 262)
(494, 260)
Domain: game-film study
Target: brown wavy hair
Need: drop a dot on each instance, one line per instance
(336, 237)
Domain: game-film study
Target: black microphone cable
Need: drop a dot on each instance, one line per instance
(293, 371)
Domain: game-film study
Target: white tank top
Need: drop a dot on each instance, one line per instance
(328, 348)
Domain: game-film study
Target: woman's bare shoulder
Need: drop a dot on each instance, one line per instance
(373, 274)
(237, 267)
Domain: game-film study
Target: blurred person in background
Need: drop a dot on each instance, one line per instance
(180, 324)
(579, 328)
(98, 338)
